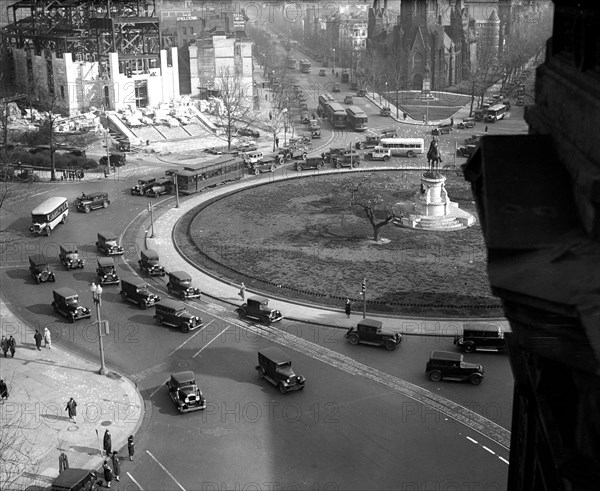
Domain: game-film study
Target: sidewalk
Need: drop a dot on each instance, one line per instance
(165, 220)
(35, 428)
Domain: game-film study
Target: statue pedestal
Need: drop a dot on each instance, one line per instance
(433, 209)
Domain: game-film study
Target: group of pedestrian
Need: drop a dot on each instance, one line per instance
(115, 472)
(72, 175)
(46, 337)
(7, 345)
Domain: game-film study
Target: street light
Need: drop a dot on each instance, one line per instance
(97, 295)
(386, 100)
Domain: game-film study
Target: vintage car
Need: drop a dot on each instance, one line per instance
(336, 88)
(520, 101)
(379, 153)
(180, 283)
(466, 150)
(161, 186)
(265, 165)
(385, 111)
(276, 367)
(92, 201)
(109, 244)
(480, 336)
(76, 479)
(40, 269)
(185, 393)
(258, 308)
(370, 331)
(69, 257)
(66, 303)
(466, 123)
(370, 141)
(171, 313)
(135, 290)
(444, 365)
(310, 163)
(442, 129)
(353, 86)
(473, 140)
(314, 134)
(348, 100)
(248, 132)
(251, 157)
(335, 152)
(361, 92)
(389, 133)
(106, 271)
(293, 153)
(116, 159)
(304, 117)
(313, 124)
(142, 186)
(322, 73)
(346, 160)
(149, 263)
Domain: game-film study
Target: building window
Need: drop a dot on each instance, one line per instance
(192, 30)
(62, 91)
(184, 31)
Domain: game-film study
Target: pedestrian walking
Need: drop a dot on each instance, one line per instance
(277, 141)
(47, 338)
(404, 114)
(38, 339)
(486, 129)
(130, 447)
(348, 308)
(4, 344)
(108, 473)
(452, 122)
(242, 292)
(3, 390)
(72, 409)
(12, 346)
(107, 443)
(116, 465)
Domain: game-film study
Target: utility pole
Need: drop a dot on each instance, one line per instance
(364, 295)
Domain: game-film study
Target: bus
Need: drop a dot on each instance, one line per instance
(336, 114)
(494, 113)
(291, 63)
(48, 215)
(215, 172)
(404, 147)
(356, 118)
(305, 66)
(324, 99)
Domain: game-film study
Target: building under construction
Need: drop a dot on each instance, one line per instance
(75, 54)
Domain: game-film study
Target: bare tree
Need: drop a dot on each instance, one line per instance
(365, 193)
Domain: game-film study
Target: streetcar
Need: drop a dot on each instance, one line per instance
(291, 63)
(336, 114)
(324, 99)
(356, 118)
(193, 179)
(305, 66)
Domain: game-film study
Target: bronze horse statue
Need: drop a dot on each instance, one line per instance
(434, 156)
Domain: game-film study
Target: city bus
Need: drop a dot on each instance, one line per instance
(324, 99)
(305, 66)
(336, 114)
(494, 113)
(291, 63)
(404, 147)
(46, 216)
(356, 118)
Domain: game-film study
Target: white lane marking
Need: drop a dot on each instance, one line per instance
(208, 344)
(158, 388)
(489, 450)
(503, 460)
(474, 441)
(136, 483)
(165, 469)
(190, 338)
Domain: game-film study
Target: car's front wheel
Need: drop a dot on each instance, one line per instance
(159, 319)
(256, 172)
(124, 296)
(282, 388)
(185, 327)
(87, 209)
(475, 379)
(105, 204)
(298, 167)
(386, 158)
(410, 154)
(390, 345)
(468, 347)
(353, 339)
(435, 376)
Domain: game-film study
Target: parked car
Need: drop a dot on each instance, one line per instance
(159, 187)
(106, 271)
(385, 111)
(40, 269)
(108, 243)
(185, 393)
(180, 283)
(116, 159)
(442, 129)
(266, 165)
(92, 201)
(361, 92)
(69, 257)
(444, 365)
(276, 367)
(346, 160)
(379, 153)
(336, 88)
(473, 140)
(135, 290)
(142, 186)
(370, 141)
(75, 479)
(322, 73)
(149, 263)
(258, 308)
(348, 100)
(66, 303)
(310, 163)
(293, 153)
(370, 331)
(248, 132)
(466, 150)
(466, 123)
(171, 313)
(480, 336)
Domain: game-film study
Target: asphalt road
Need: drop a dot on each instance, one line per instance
(342, 432)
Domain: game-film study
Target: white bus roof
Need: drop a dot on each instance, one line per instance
(419, 141)
(496, 107)
(49, 205)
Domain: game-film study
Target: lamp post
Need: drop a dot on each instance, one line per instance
(176, 179)
(333, 58)
(97, 296)
(386, 100)
(151, 210)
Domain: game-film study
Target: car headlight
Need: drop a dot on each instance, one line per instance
(287, 380)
